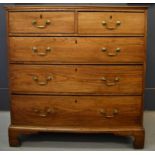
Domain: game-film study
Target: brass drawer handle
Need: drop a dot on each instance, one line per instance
(105, 114)
(46, 23)
(35, 50)
(110, 82)
(41, 83)
(115, 53)
(110, 25)
(44, 112)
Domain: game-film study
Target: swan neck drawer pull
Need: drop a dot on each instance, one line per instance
(35, 50)
(106, 114)
(111, 25)
(110, 82)
(46, 23)
(115, 53)
(42, 83)
(44, 112)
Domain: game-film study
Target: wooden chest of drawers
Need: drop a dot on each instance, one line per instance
(77, 69)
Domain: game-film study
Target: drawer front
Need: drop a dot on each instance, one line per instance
(111, 22)
(41, 22)
(76, 111)
(85, 79)
(76, 49)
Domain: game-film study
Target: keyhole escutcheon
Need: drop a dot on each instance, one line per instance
(110, 17)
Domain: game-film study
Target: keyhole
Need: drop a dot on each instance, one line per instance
(75, 41)
(110, 17)
(76, 69)
(41, 16)
(75, 101)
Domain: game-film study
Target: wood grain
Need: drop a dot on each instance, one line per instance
(61, 22)
(76, 111)
(77, 50)
(86, 7)
(91, 22)
(77, 79)
(76, 86)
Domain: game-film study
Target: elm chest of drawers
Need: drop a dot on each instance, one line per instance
(77, 69)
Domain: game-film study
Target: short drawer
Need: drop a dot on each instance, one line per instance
(79, 79)
(76, 111)
(111, 23)
(41, 22)
(59, 50)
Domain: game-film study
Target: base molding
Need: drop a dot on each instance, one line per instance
(138, 134)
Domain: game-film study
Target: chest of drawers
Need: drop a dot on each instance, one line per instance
(77, 69)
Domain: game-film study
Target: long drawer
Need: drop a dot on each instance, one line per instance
(82, 79)
(76, 111)
(111, 23)
(76, 49)
(41, 22)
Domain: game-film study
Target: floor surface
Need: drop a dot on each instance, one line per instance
(77, 142)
